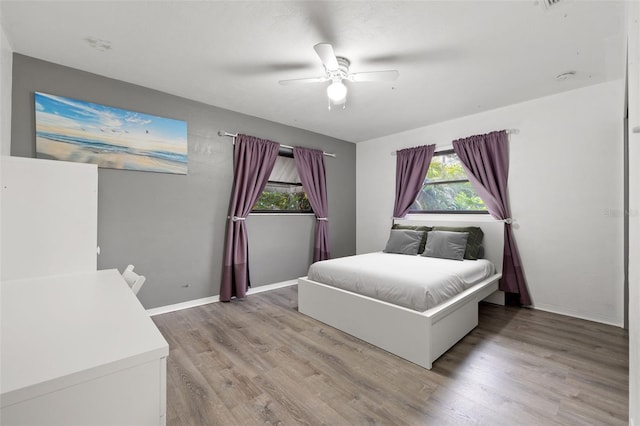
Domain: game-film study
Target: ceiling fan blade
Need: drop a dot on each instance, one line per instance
(303, 80)
(374, 76)
(328, 58)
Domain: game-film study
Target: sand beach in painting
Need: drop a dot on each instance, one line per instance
(71, 130)
(56, 150)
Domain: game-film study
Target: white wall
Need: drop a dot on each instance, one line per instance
(566, 189)
(633, 72)
(5, 93)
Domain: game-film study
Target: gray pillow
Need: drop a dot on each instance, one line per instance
(446, 244)
(473, 242)
(416, 228)
(404, 241)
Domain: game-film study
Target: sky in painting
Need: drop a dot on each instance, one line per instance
(70, 117)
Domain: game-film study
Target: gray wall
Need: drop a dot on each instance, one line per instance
(171, 227)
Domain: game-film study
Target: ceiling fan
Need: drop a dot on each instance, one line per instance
(336, 70)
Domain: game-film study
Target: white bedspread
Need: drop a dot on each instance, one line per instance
(415, 282)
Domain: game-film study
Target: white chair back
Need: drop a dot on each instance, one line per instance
(134, 280)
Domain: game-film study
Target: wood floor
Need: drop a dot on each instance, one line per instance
(259, 361)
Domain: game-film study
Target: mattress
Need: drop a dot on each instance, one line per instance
(415, 282)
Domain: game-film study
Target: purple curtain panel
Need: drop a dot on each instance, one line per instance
(486, 160)
(253, 162)
(311, 169)
(411, 168)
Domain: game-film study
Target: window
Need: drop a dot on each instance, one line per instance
(446, 188)
(284, 192)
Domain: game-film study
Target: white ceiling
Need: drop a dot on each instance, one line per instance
(455, 58)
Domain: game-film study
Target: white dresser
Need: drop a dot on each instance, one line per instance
(79, 349)
(76, 345)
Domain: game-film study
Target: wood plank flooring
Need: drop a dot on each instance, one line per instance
(259, 361)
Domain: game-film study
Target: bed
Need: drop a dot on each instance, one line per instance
(415, 335)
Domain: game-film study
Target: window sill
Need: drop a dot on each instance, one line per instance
(450, 212)
(277, 213)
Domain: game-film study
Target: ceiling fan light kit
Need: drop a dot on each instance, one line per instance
(336, 70)
(337, 92)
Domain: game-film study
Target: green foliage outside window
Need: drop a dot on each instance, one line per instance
(284, 191)
(447, 188)
(279, 200)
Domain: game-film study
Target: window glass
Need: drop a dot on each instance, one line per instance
(446, 188)
(284, 192)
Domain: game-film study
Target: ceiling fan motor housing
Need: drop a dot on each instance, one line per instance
(342, 71)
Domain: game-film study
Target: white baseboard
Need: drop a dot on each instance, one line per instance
(183, 305)
(601, 320)
(212, 299)
(268, 287)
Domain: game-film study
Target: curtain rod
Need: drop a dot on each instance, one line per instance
(444, 148)
(235, 135)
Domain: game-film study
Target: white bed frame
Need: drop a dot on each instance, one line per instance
(419, 337)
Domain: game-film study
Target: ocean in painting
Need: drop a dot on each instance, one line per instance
(72, 130)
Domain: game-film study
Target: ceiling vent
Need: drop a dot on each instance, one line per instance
(552, 4)
(549, 3)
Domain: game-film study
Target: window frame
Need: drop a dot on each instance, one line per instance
(289, 154)
(437, 154)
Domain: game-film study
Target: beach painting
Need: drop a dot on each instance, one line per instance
(72, 130)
